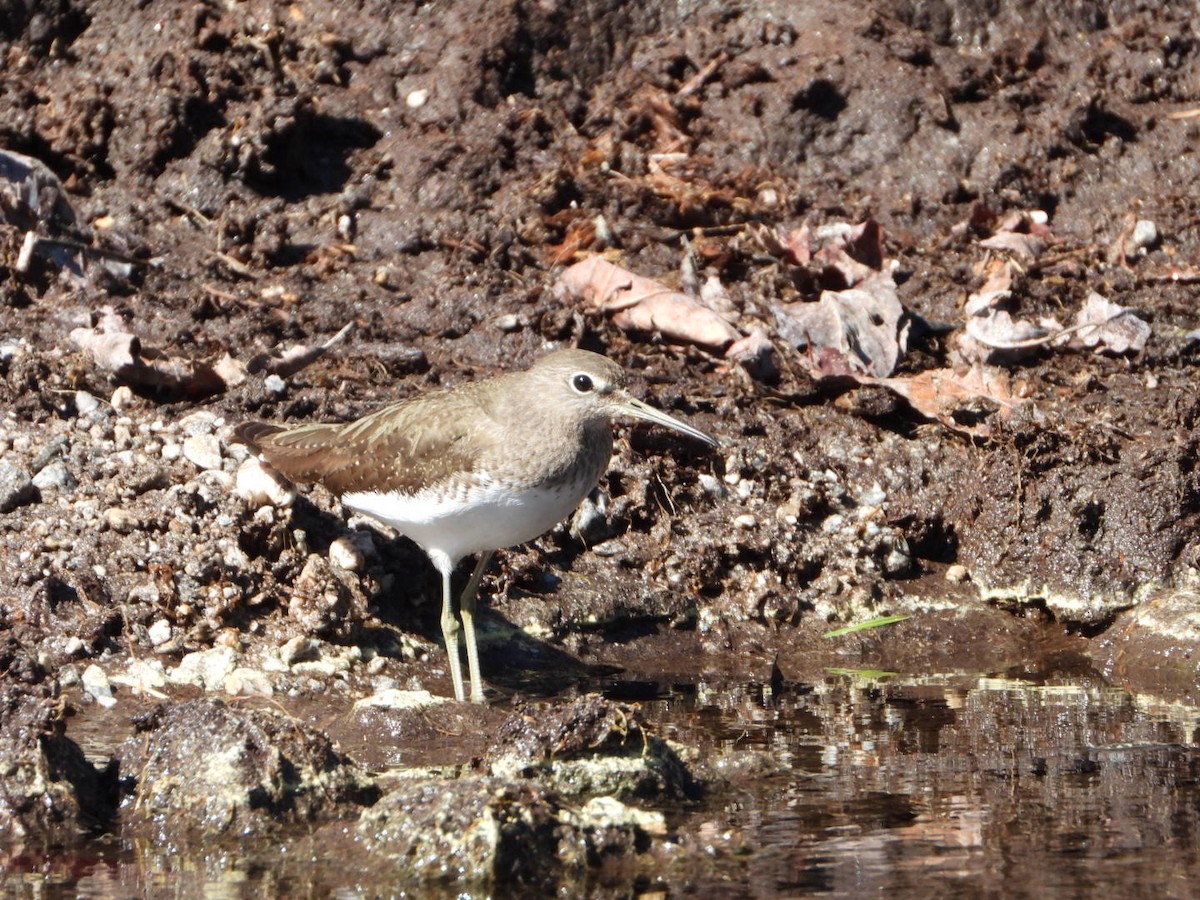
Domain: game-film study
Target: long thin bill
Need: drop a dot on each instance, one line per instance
(639, 410)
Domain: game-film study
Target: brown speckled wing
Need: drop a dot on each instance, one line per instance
(403, 448)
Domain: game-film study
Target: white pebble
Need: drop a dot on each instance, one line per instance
(159, 632)
(85, 403)
(345, 555)
(122, 397)
(416, 99)
(204, 450)
(1145, 234)
(746, 521)
(957, 574)
(96, 683)
(711, 485)
(260, 485)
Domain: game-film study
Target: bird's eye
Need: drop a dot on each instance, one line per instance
(583, 383)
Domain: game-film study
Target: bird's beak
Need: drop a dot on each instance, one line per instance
(636, 409)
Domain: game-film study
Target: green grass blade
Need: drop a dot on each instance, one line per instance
(878, 622)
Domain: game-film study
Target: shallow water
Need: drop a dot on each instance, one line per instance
(850, 787)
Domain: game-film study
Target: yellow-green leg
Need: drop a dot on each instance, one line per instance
(450, 629)
(467, 605)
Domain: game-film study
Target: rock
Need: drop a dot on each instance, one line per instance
(50, 792)
(159, 632)
(96, 683)
(344, 554)
(206, 770)
(85, 403)
(203, 450)
(591, 523)
(55, 476)
(121, 520)
(260, 485)
(394, 698)
(1144, 236)
(122, 398)
(300, 649)
(488, 836)
(146, 676)
(205, 668)
(16, 488)
(247, 682)
(199, 423)
(590, 746)
(957, 573)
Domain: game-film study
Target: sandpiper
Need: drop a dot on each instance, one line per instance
(472, 468)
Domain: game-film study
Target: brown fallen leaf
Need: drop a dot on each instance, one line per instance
(855, 331)
(292, 360)
(1108, 327)
(120, 353)
(637, 303)
(944, 395)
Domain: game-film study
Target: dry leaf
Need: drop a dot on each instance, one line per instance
(855, 331)
(1110, 328)
(637, 303)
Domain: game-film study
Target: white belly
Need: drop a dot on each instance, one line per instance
(485, 517)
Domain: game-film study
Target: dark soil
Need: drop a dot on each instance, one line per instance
(237, 180)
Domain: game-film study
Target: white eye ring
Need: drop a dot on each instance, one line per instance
(582, 382)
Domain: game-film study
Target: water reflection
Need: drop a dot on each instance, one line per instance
(949, 787)
(849, 786)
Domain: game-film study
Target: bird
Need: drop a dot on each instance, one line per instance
(470, 469)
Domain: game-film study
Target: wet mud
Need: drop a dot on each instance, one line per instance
(214, 213)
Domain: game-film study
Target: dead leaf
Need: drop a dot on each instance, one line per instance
(637, 303)
(946, 395)
(119, 352)
(291, 361)
(855, 331)
(1108, 327)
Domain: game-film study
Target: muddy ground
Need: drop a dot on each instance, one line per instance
(229, 182)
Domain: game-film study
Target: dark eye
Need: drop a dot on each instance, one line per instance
(583, 383)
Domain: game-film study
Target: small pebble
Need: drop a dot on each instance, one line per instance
(345, 555)
(122, 398)
(1144, 236)
(96, 683)
(416, 99)
(275, 385)
(16, 488)
(392, 698)
(246, 682)
(55, 476)
(746, 521)
(508, 323)
(159, 632)
(122, 521)
(712, 485)
(259, 485)
(957, 574)
(85, 403)
(299, 649)
(203, 450)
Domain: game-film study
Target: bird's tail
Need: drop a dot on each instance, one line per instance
(252, 433)
(301, 454)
